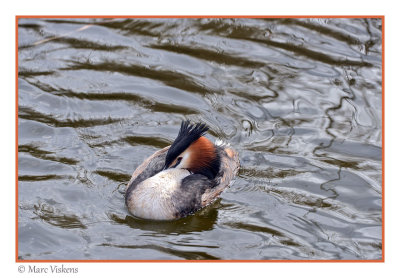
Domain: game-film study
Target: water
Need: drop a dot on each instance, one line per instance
(299, 99)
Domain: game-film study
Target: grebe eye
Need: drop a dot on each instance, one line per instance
(178, 160)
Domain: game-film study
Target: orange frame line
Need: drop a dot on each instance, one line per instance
(200, 261)
(199, 16)
(16, 139)
(382, 17)
(383, 138)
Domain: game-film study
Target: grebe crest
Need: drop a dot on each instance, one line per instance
(194, 152)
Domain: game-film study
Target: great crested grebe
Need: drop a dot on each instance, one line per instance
(182, 178)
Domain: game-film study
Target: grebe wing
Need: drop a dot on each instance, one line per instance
(151, 166)
(188, 199)
(229, 167)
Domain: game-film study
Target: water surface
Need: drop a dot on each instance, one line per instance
(299, 99)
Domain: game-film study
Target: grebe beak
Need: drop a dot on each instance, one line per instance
(178, 161)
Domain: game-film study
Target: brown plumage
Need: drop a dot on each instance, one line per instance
(203, 153)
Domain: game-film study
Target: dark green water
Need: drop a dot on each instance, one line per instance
(299, 99)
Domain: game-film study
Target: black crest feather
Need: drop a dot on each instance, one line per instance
(186, 136)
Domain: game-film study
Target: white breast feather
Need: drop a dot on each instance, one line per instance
(152, 197)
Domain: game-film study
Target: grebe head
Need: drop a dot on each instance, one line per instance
(194, 152)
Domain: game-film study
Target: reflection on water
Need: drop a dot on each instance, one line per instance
(300, 99)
